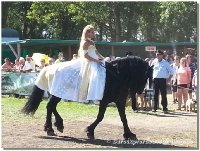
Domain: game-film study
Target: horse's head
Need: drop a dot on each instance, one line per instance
(132, 72)
(140, 71)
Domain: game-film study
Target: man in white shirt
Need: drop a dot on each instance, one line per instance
(28, 65)
(162, 73)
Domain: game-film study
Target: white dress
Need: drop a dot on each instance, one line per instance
(77, 80)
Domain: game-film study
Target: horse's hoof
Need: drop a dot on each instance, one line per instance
(90, 134)
(51, 133)
(130, 136)
(59, 127)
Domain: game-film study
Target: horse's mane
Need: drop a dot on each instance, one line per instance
(130, 64)
(129, 72)
(129, 59)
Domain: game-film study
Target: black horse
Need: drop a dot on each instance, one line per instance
(128, 74)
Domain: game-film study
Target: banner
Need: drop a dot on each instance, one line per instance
(17, 83)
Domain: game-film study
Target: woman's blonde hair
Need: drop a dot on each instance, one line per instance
(83, 37)
(183, 59)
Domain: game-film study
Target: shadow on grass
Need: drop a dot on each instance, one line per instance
(111, 143)
(169, 114)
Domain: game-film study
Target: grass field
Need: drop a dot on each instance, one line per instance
(67, 110)
(153, 127)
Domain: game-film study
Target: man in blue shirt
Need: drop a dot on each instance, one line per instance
(192, 68)
(162, 73)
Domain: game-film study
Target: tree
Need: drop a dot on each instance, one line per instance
(5, 11)
(178, 19)
(15, 16)
(115, 21)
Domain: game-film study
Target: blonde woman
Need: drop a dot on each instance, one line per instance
(92, 74)
(183, 76)
(81, 79)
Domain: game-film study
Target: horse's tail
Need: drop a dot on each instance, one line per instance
(34, 101)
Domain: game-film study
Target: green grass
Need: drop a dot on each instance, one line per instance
(11, 110)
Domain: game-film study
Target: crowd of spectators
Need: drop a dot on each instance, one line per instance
(183, 83)
(28, 64)
(183, 80)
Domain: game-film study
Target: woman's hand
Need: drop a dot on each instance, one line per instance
(101, 58)
(98, 61)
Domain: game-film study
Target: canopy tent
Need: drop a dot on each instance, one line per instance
(17, 46)
(8, 34)
(29, 42)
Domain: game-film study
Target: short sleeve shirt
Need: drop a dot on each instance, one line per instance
(182, 75)
(161, 69)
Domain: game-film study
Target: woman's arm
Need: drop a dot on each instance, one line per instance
(189, 75)
(85, 48)
(91, 59)
(3, 66)
(99, 55)
(175, 78)
(193, 80)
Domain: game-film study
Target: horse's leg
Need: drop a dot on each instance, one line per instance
(48, 125)
(102, 108)
(59, 121)
(121, 109)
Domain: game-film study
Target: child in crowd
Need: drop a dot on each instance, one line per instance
(148, 92)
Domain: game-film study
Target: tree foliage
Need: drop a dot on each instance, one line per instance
(115, 21)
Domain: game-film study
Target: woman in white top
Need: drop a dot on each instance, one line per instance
(82, 79)
(17, 66)
(175, 67)
(91, 58)
(28, 65)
